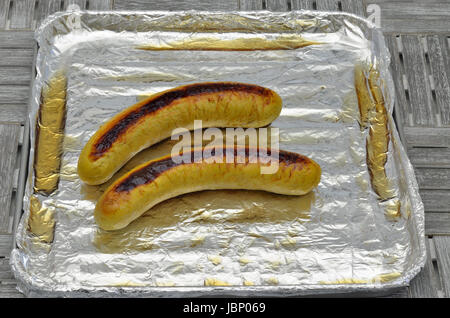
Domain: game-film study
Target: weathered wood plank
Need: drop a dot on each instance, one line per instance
(16, 39)
(14, 94)
(46, 8)
(22, 13)
(404, 1)
(436, 200)
(415, 17)
(13, 113)
(5, 244)
(401, 107)
(433, 178)
(400, 293)
(444, 42)
(437, 52)
(430, 157)
(5, 270)
(100, 5)
(424, 285)
(442, 244)
(437, 223)
(419, 87)
(175, 5)
(427, 137)
(415, 24)
(9, 140)
(397, 71)
(16, 57)
(303, 4)
(248, 5)
(355, 7)
(80, 3)
(4, 10)
(327, 5)
(277, 5)
(15, 75)
(413, 7)
(10, 291)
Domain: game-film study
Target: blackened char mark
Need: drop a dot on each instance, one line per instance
(106, 141)
(145, 175)
(151, 171)
(291, 158)
(148, 173)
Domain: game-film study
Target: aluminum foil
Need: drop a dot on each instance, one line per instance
(341, 237)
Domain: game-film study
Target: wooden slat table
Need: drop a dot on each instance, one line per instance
(417, 34)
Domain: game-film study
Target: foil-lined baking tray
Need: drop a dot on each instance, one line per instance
(361, 230)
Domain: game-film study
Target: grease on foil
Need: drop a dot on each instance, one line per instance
(373, 115)
(213, 207)
(41, 221)
(378, 141)
(393, 210)
(281, 42)
(50, 134)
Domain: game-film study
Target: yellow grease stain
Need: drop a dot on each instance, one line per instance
(41, 221)
(50, 134)
(282, 42)
(215, 282)
(216, 260)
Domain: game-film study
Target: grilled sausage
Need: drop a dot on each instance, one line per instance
(217, 104)
(157, 180)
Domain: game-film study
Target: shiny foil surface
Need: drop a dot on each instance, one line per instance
(361, 229)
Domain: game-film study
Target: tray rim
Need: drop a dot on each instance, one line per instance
(197, 291)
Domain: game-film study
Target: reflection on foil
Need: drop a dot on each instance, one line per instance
(206, 207)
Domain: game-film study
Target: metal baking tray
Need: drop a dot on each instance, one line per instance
(360, 231)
